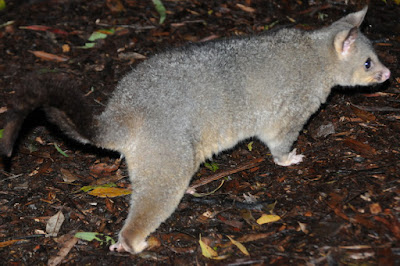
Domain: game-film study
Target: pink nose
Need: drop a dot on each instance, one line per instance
(385, 74)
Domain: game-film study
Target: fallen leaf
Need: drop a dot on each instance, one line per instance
(303, 227)
(131, 56)
(90, 236)
(246, 8)
(66, 48)
(100, 34)
(362, 148)
(375, 208)
(67, 176)
(67, 245)
(161, 10)
(115, 6)
(100, 168)
(88, 188)
(206, 250)
(254, 237)
(364, 115)
(268, 218)
(250, 146)
(60, 150)
(54, 224)
(2, 5)
(109, 192)
(49, 57)
(44, 28)
(9, 242)
(240, 246)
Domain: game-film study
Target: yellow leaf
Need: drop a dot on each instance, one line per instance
(268, 218)
(206, 250)
(9, 242)
(109, 192)
(240, 246)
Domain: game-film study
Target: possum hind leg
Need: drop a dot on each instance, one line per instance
(160, 177)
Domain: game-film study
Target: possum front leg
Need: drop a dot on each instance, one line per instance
(280, 148)
(158, 186)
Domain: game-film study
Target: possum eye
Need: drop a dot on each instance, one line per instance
(368, 64)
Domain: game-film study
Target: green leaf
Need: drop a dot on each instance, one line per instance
(88, 45)
(250, 146)
(60, 151)
(160, 9)
(212, 166)
(2, 4)
(1, 133)
(269, 26)
(97, 35)
(90, 236)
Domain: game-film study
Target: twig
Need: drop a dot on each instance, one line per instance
(376, 109)
(10, 176)
(135, 27)
(217, 176)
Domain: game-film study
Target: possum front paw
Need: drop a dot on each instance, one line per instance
(123, 246)
(289, 159)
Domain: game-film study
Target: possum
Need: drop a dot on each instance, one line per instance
(182, 106)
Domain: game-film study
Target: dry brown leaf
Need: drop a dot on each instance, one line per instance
(254, 237)
(375, 208)
(54, 224)
(49, 57)
(246, 8)
(67, 176)
(364, 115)
(68, 244)
(362, 148)
(115, 6)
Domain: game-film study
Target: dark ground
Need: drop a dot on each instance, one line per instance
(339, 207)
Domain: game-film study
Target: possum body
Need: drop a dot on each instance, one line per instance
(180, 107)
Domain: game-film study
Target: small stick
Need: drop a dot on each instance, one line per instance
(217, 176)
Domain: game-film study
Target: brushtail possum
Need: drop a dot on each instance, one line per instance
(181, 106)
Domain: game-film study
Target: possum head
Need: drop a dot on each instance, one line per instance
(357, 62)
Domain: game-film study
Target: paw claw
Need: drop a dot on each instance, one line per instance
(290, 159)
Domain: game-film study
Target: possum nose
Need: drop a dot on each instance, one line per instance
(385, 75)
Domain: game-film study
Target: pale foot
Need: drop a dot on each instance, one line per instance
(290, 159)
(120, 246)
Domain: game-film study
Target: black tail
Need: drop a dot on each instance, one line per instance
(63, 103)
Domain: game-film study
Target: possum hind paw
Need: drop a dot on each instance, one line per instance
(289, 159)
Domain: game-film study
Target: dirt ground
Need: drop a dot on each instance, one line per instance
(339, 207)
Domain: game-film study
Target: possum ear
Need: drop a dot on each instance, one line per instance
(355, 18)
(344, 41)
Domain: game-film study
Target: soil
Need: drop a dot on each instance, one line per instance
(339, 207)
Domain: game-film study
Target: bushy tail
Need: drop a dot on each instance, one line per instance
(58, 95)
